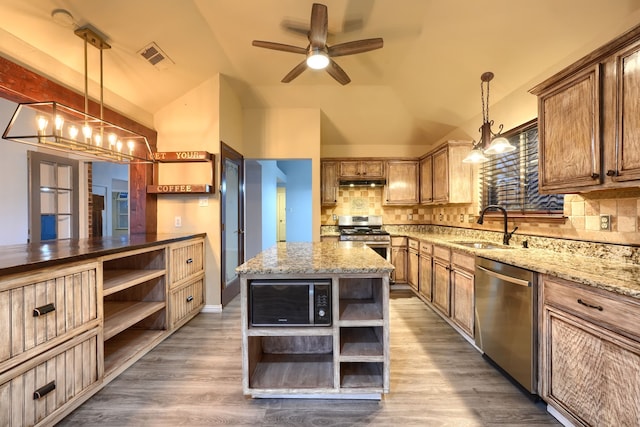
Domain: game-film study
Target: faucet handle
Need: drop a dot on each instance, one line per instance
(507, 236)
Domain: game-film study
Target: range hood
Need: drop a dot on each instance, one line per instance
(362, 182)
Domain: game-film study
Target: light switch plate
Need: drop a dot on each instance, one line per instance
(605, 222)
(203, 201)
(178, 221)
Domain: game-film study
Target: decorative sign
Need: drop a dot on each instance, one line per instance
(182, 156)
(179, 188)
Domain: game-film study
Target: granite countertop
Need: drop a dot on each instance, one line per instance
(27, 257)
(316, 258)
(611, 275)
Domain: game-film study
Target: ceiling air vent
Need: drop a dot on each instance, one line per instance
(155, 56)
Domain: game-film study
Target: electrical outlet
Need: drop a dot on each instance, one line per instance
(461, 217)
(440, 217)
(335, 217)
(410, 216)
(605, 222)
(178, 221)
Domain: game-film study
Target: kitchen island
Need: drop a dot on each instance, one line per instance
(348, 358)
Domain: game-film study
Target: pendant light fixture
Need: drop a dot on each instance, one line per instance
(490, 143)
(59, 127)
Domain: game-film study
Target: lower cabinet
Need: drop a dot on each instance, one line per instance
(462, 291)
(399, 259)
(185, 302)
(413, 264)
(590, 354)
(442, 280)
(426, 270)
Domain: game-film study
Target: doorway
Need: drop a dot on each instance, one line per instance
(232, 220)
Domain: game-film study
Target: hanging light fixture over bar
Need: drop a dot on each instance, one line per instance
(490, 143)
(59, 127)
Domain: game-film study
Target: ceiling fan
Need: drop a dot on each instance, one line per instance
(319, 55)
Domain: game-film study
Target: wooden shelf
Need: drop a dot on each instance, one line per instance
(290, 331)
(293, 371)
(360, 309)
(118, 280)
(361, 344)
(361, 375)
(120, 315)
(127, 345)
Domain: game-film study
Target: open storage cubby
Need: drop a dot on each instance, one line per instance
(291, 362)
(360, 299)
(361, 343)
(361, 375)
(135, 304)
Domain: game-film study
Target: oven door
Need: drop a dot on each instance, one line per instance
(382, 248)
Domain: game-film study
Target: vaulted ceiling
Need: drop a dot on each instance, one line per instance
(424, 82)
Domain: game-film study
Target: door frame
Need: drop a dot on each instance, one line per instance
(230, 290)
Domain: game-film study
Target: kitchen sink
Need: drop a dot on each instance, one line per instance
(482, 245)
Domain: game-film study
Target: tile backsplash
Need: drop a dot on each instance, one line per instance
(581, 211)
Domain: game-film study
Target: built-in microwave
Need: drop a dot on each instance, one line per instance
(290, 302)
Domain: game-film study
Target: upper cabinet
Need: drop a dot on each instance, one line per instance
(373, 169)
(402, 182)
(589, 121)
(329, 183)
(444, 178)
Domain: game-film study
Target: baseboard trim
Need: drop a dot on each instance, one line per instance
(212, 308)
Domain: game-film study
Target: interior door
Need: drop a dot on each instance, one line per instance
(232, 220)
(282, 215)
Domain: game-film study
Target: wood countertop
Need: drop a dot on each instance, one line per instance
(26, 257)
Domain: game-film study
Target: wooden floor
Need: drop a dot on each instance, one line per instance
(194, 379)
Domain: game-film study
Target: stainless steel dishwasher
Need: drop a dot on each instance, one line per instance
(505, 323)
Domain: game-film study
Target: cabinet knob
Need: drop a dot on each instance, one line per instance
(189, 261)
(611, 172)
(44, 390)
(190, 298)
(39, 311)
(595, 175)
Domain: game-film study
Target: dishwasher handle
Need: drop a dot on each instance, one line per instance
(509, 279)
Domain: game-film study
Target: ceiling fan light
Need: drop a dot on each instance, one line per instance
(499, 145)
(475, 156)
(317, 60)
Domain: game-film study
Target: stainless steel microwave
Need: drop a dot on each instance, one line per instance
(290, 302)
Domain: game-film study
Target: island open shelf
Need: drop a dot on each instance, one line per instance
(348, 359)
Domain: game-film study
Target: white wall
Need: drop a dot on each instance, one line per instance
(299, 200)
(253, 208)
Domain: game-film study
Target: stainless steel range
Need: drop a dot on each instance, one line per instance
(366, 229)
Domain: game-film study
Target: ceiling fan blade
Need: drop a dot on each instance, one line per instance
(279, 46)
(319, 24)
(337, 73)
(297, 70)
(358, 46)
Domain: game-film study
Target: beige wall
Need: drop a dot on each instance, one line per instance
(286, 133)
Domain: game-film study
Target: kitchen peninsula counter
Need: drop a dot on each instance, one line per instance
(348, 358)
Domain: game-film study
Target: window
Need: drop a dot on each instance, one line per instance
(511, 180)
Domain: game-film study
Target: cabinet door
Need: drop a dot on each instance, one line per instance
(569, 134)
(592, 375)
(372, 169)
(441, 297)
(413, 264)
(627, 166)
(329, 183)
(349, 169)
(426, 276)
(402, 182)
(399, 261)
(426, 180)
(462, 307)
(441, 176)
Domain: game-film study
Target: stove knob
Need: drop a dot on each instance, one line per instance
(321, 313)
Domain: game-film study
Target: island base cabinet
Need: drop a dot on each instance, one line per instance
(358, 375)
(38, 391)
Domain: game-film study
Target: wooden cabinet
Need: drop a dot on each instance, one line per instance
(462, 291)
(588, 121)
(590, 354)
(426, 179)
(370, 169)
(186, 285)
(399, 259)
(426, 271)
(442, 279)
(402, 182)
(413, 264)
(444, 178)
(329, 183)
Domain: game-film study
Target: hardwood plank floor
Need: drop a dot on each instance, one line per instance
(194, 378)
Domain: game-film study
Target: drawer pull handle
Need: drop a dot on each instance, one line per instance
(39, 311)
(189, 260)
(190, 298)
(44, 390)
(597, 307)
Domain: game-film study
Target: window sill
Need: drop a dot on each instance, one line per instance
(529, 218)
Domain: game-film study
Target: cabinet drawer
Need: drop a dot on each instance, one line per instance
(467, 262)
(44, 306)
(398, 241)
(186, 300)
(614, 312)
(414, 244)
(187, 259)
(34, 390)
(426, 248)
(442, 253)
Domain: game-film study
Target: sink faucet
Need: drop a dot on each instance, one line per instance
(506, 236)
